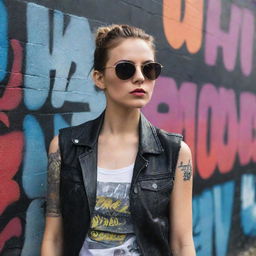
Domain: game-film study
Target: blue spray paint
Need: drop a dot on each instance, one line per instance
(212, 211)
(248, 205)
(203, 222)
(59, 123)
(3, 40)
(34, 228)
(223, 208)
(35, 159)
(71, 65)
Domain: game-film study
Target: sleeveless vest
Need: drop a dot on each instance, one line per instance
(151, 185)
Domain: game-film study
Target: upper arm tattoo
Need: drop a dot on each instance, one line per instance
(53, 198)
(186, 169)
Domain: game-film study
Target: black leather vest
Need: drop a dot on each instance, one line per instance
(151, 185)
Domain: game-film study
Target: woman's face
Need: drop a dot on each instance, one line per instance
(121, 92)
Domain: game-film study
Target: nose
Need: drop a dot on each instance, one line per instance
(138, 76)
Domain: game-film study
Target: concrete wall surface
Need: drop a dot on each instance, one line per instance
(206, 91)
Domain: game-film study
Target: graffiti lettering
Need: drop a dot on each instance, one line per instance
(3, 40)
(220, 134)
(178, 26)
(185, 25)
(13, 228)
(212, 45)
(10, 157)
(173, 109)
(241, 27)
(212, 212)
(248, 206)
(247, 143)
(12, 94)
(11, 143)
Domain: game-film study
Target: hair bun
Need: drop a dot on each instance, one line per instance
(107, 37)
(101, 34)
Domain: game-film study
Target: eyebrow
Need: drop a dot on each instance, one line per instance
(130, 61)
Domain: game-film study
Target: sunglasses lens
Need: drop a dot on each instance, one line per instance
(152, 70)
(125, 70)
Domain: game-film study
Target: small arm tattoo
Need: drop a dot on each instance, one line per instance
(186, 169)
(53, 200)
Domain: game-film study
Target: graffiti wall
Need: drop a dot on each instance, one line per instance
(206, 92)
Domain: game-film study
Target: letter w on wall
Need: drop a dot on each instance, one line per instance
(183, 25)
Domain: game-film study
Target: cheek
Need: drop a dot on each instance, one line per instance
(151, 87)
(111, 82)
(114, 88)
(151, 90)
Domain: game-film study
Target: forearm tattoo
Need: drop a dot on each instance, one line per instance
(53, 179)
(186, 169)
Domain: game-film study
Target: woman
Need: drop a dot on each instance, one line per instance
(117, 184)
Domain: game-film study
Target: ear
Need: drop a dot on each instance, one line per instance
(98, 79)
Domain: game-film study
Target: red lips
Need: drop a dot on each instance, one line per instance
(139, 90)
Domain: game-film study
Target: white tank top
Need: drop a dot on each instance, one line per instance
(111, 232)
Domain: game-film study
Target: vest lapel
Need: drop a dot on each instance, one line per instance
(88, 162)
(148, 144)
(87, 136)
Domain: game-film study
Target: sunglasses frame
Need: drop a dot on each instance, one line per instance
(134, 65)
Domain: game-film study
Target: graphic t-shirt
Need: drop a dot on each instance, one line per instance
(111, 232)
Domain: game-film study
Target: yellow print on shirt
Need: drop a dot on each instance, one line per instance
(110, 204)
(106, 222)
(100, 236)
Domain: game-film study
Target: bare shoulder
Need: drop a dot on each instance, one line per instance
(54, 159)
(54, 145)
(185, 151)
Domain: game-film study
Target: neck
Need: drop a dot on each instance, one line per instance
(121, 121)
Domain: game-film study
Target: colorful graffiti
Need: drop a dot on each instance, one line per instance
(206, 93)
(217, 119)
(189, 113)
(11, 142)
(57, 81)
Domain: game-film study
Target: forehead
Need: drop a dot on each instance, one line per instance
(131, 49)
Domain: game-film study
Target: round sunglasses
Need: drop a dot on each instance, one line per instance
(125, 70)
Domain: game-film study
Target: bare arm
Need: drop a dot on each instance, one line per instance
(53, 236)
(181, 238)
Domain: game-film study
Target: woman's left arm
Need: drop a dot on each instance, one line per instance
(181, 237)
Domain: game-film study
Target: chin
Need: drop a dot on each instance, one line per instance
(138, 105)
(132, 104)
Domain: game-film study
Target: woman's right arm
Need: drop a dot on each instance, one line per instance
(52, 244)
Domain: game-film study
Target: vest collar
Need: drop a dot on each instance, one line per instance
(88, 136)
